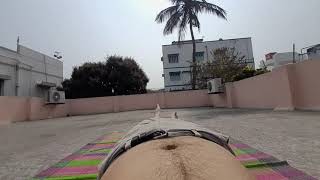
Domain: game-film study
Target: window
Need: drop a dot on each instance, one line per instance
(175, 76)
(199, 56)
(1, 87)
(173, 58)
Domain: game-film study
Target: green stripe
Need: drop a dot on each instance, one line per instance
(249, 151)
(263, 164)
(244, 151)
(238, 152)
(77, 177)
(76, 163)
(90, 151)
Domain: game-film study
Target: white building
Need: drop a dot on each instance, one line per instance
(26, 72)
(314, 52)
(177, 59)
(274, 60)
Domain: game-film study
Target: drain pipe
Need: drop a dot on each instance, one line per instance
(17, 79)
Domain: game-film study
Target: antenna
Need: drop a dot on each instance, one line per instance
(18, 45)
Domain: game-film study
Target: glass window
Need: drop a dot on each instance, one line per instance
(173, 58)
(175, 76)
(199, 56)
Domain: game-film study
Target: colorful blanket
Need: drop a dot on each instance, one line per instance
(264, 166)
(82, 165)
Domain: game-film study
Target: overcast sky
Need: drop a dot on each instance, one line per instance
(88, 30)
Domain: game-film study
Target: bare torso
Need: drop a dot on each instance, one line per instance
(179, 158)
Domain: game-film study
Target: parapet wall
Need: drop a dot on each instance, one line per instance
(14, 109)
(294, 86)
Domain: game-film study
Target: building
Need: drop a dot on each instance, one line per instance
(26, 72)
(314, 52)
(177, 58)
(274, 60)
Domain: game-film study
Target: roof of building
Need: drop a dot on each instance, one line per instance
(186, 42)
(312, 47)
(202, 41)
(8, 49)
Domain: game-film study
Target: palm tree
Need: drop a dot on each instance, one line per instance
(185, 13)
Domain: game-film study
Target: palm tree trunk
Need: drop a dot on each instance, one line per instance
(193, 71)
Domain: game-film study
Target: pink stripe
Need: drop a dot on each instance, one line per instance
(47, 172)
(104, 146)
(240, 145)
(71, 157)
(269, 176)
(257, 156)
(76, 170)
(290, 172)
(91, 157)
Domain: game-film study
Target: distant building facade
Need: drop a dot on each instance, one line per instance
(274, 60)
(177, 58)
(314, 52)
(26, 72)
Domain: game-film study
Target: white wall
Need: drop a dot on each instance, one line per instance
(242, 45)
(27, 67)
(280, 59)
(38, 60)
(24, 88)
(7, 68)
(8, 84)
(41, 65)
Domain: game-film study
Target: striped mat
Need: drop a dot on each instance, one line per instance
(82, 165)
(264, 166)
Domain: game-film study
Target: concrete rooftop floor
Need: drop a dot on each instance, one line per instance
(29, 147)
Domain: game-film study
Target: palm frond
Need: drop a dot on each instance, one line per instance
(204, 6)
(184, 12)
(178, 1)
(166, 13)
(194, 20)
(172, 23)
(183, 26)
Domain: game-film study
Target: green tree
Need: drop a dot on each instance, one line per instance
(227, 63)
(116, 76)
(185, 13)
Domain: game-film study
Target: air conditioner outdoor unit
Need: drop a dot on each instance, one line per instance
(215, 86)
(56, 97)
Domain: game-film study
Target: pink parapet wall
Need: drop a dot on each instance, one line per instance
(294, 86)
(40, 110)
(13, 109)
(183, 99)
(306, 85)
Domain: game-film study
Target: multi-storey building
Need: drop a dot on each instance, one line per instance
(177, 58)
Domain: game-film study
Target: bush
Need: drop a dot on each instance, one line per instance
(248, 72)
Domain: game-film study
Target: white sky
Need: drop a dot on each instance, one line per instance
(88, 30)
